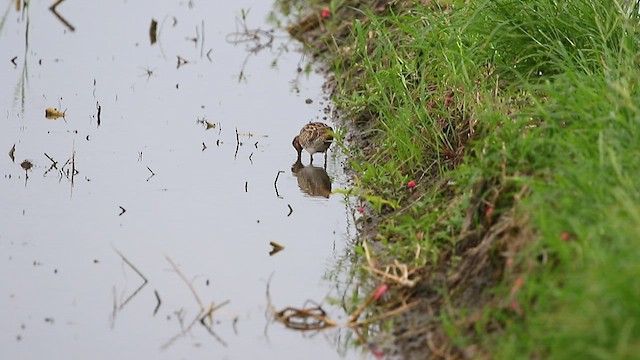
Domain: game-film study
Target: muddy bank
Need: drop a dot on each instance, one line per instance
(455, 283)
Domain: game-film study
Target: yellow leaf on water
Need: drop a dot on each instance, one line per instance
(53, 113)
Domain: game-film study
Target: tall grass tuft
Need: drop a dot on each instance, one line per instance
(539, 95)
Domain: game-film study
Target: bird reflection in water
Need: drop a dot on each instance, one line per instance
(312, 180)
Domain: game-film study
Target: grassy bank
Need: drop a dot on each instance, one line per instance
(498, 142)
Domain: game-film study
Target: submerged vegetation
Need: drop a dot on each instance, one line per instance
(495, 145)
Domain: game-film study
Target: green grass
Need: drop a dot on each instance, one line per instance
(539, 100)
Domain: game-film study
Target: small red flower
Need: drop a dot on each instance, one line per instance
(489, 212)
(565, 236)
(380, 291)
(361, 210)
(411, 184)
(326, 12)
(375, 351)
(420, 235)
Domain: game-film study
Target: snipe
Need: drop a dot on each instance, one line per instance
(314, 137)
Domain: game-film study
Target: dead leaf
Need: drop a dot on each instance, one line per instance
(276, 248)
(26, 165)
(11, 152)
(153, 31)
(53, 113)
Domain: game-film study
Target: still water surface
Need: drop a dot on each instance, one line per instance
(153, 185)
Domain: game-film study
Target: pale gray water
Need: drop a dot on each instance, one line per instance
(212, 211)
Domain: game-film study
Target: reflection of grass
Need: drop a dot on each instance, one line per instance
(4, 17)
(20, 91)
(20, 86)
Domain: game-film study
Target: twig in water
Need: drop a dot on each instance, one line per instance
(202, 315)
(12, 152)
(237, 143)
(54, 163)
(184, 278)
(144, 279)
(63, 20)
(183, 332)
(235, 323)
(290, 210)
(275, 183)
(181, 61)
(132, 266)
(155, 311)
(99, 108)
(123, 210)
(276, 248)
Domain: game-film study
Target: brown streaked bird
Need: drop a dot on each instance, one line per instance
(314, 137)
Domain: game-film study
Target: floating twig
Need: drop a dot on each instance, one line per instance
(181, 61)
(183, 332)
(54, 163)
(290, 210)
(202, 315)
(12, 152)
(237, 143)
(275, 183)
(155, 311)
(123, 210)
(62, 19)
(276, 248)
(184, 278)
(144, 279)
(153, 31)
(202, 41)
(99, 108)
(311, 318)
(235, 323)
